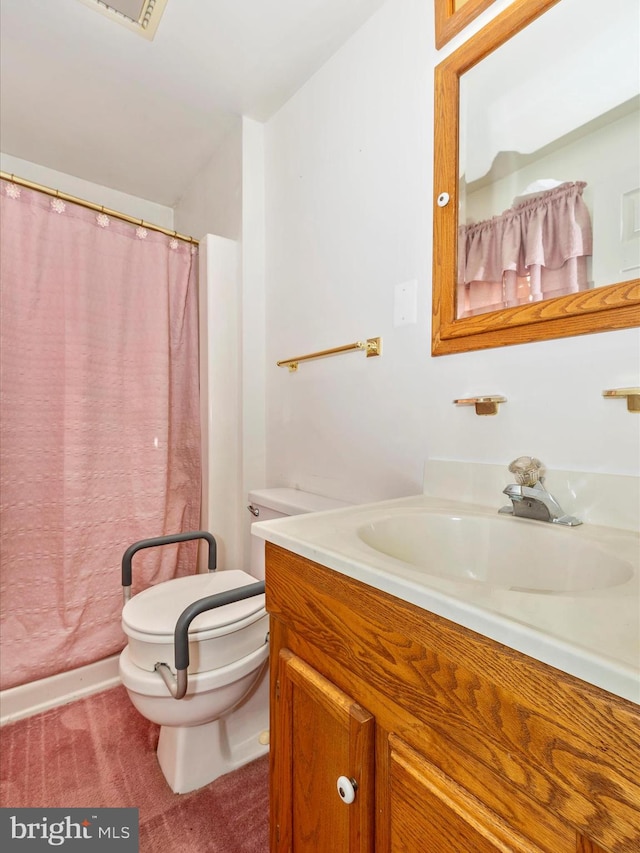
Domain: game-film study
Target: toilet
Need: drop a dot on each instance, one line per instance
(222, 722)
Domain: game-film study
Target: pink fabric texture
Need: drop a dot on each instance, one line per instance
(100, 441)
(535, 250)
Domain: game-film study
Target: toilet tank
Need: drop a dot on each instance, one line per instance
(267, 504)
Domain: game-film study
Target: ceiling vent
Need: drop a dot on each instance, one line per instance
(141, 16)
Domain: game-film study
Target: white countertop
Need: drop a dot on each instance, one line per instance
(593, 634)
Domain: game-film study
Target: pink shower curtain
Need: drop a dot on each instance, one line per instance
(100, 442)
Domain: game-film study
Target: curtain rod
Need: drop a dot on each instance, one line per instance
(31, 185)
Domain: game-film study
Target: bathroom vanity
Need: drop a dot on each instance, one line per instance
(445, 678)
(446, 740)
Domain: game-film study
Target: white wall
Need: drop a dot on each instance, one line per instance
(253, 310)
(220, 395)
(349, 191)
(226, 199)
(139, 208)
(212, 203)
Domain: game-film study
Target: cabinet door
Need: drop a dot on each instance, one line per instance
(429, 811)
(322, 735)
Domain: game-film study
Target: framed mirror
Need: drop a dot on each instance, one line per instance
(519, 140)
(452, 16)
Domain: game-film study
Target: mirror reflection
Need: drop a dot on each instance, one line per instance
(549, 160)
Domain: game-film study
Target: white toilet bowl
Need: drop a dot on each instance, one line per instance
(210, 694)
(228, 652)
(222, 721)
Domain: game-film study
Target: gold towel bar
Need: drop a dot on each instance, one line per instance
(372, 346)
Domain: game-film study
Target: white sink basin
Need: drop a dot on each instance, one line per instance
(498, 551)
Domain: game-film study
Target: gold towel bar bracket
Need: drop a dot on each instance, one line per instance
(372, 347)
(632, 395)
(484, 405)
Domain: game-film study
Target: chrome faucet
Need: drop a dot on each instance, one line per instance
(529, 498)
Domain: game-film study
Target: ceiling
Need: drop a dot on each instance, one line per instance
(84, 95)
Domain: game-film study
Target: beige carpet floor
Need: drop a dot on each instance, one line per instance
(99, 752)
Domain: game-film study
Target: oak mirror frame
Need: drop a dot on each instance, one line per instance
(608, 307)
(452, 16)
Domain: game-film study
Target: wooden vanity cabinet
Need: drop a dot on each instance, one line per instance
(323, 736)
(455, 743)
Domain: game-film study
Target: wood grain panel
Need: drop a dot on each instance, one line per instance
(323, 734)
(583, 845)
(452, 16)
(431, 811)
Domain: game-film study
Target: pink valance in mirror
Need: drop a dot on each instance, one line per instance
(538, 249)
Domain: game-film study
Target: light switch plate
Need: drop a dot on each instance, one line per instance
(405, 303)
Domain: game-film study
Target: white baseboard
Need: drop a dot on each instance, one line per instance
(36, 696)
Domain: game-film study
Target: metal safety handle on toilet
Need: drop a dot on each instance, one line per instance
(171, 539)
(177, 684)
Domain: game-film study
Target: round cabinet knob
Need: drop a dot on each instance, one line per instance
(347, 789)
(443, 199)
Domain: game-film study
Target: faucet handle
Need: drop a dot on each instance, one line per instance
(527, 470)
